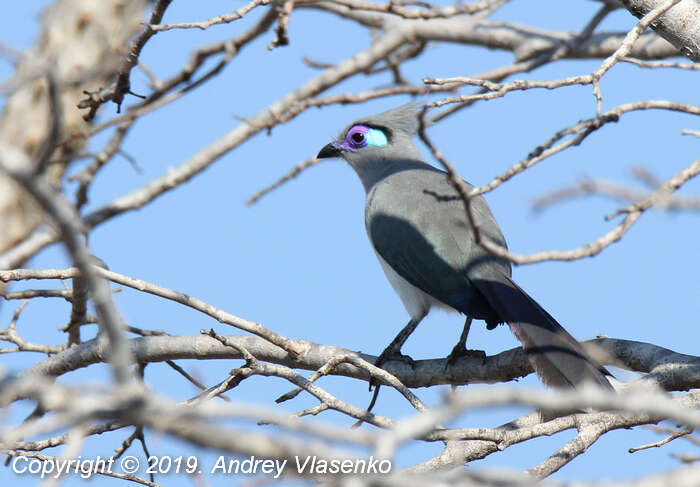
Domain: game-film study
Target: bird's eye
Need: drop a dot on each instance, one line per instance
(358, 137)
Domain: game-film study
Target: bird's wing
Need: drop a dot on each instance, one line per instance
(417, 223)
(416, 259)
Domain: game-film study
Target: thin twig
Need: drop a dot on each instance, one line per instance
(221, 19)
(677, 434)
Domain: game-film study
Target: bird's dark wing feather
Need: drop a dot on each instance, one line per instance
(416, 259)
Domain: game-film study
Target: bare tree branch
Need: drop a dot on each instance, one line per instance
(588, 187)
(122, 85)
(680, 25)
(94, 46)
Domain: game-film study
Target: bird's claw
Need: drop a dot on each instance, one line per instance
(459, 352)
(394, 355)
(389, 355)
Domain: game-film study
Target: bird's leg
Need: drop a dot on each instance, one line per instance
(393, 351)
(460, 350)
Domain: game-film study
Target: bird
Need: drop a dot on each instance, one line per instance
(419, 230)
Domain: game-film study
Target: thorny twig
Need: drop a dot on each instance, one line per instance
(122, 85)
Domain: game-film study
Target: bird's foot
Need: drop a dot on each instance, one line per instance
(389, 355)
(459, 351)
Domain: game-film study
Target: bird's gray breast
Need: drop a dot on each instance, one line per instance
(417, 224)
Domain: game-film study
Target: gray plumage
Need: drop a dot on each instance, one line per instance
(417, 225)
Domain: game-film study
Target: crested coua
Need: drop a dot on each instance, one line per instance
(418, 228)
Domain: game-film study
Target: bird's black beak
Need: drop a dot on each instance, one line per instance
(329, 150)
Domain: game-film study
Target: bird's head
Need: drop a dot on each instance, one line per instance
(370, 142)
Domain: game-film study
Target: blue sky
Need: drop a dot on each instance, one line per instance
(299, 261)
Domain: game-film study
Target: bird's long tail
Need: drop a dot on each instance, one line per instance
(556, 356)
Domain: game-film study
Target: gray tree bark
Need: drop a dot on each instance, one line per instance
(83, 42)
(680, 25)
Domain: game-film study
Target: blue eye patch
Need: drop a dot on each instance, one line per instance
(376, 138)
